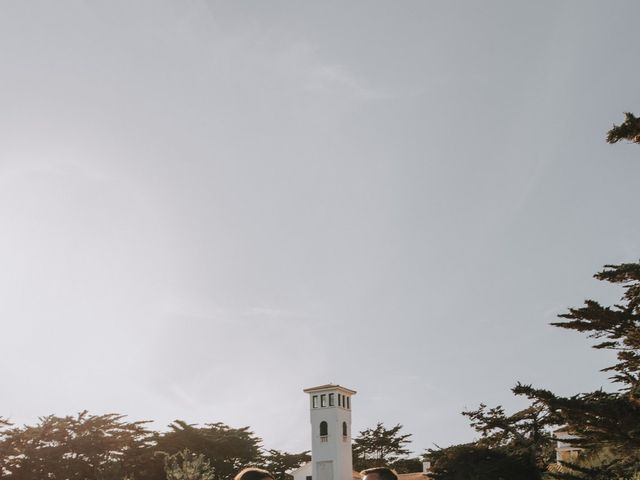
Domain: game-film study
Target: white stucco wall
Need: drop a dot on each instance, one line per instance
(331, 455)
(302, 472)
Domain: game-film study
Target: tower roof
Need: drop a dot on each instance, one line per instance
(329, 386)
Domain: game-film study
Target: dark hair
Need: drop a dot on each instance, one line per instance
(252, 473)
(383, 472)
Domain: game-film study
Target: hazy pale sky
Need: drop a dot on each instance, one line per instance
(206, 207)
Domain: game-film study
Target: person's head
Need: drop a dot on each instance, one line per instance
(253, 473)
(378, 473)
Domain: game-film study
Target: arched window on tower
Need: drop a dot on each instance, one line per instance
(324, 431)
(344, 431)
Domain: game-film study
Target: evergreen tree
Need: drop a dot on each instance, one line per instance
(279, 463)
(379, 446)
(227, 449)
(511, 446)
(476, 462)
(84, 447)
(606, 419)
(628, 130)
(408, 465)
(4, 447)
(526, 434)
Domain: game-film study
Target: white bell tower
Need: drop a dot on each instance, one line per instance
(330, 407)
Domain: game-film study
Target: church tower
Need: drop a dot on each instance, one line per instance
(330, 407)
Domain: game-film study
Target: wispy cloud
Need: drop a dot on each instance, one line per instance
(309, 71)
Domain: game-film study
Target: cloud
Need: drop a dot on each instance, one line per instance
(306, 69)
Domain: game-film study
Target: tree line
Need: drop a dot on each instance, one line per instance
(109, 447)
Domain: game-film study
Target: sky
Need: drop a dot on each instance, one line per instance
(206, 207)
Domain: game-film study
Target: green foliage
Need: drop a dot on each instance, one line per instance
(408, 465)
(629, 130)
(106, 447)
(84, 447)
(279, 463)
(525, 434)
(475, 462)
(227, 449)
(379, 446)
(618, 326)
(185, 465)
(511, 446)
(603, 419)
